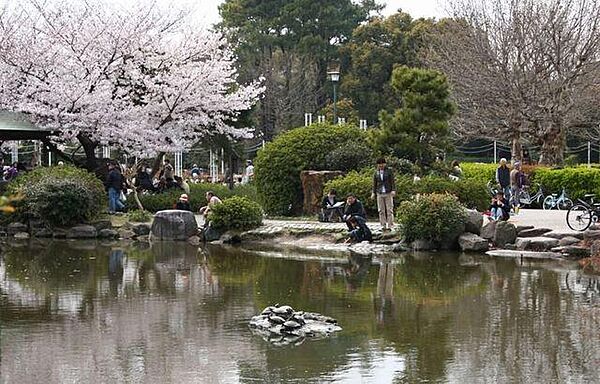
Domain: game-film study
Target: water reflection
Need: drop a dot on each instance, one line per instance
(79, 311)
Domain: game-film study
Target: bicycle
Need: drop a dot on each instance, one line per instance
(581, 215)
(560, 202)
(526, 199)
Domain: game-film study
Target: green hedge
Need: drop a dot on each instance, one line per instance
(278, 165)
(430, 217)
(471, 193)
(578, 180)
(480, 172)
(236, 212)
(197, 199)
(59, 196)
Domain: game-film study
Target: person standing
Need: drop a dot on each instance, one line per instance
(516, 184)
(503, 178)
(249, 173)
(114, 183)
(384, 189)
(167, 170)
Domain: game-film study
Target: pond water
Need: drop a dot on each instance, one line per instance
(73, 312)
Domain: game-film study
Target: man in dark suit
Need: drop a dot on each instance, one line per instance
(384, 189)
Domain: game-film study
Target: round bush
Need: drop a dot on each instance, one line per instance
(278, 165)
(236, 213)
(430, 217)
(59, 196)
(351, 156)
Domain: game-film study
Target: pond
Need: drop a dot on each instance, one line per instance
(74, 312)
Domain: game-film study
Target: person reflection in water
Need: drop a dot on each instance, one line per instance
(115, 269)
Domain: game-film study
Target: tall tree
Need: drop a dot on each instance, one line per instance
(519, 67)
(370, 56)
(290, 43)
(419, 129)
(139, 77)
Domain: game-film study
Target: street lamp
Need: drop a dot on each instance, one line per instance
(333, 73)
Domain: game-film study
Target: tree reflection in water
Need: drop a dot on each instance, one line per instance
(76, 311)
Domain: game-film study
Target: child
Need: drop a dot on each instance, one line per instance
(500, 208)
(360, 232)
(183, 204)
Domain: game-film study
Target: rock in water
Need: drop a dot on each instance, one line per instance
(300, 325)
(174, 225)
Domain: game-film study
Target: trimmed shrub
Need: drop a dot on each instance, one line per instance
(238, 213)
(167, 200)
(471, 193)
(59, 196)
(278, 165)
(351, 156)
(430, 217)
(480, 172)
(402, 166)
(577, 181)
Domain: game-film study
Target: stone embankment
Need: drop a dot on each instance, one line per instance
(100, 229)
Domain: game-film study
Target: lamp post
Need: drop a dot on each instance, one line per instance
(334, 75)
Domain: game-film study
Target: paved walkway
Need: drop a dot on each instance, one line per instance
(554, 219)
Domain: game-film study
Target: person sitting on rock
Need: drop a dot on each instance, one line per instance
(360, 232)
(183, 204)
(500, 208)
(328, 208)
(354, 208)
(212, 201)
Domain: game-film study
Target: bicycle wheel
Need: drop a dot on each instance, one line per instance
(548, 202)
(525, 198)
(579, 217)
(565, 204)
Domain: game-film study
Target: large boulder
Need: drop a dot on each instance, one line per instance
(562, 234)
(422, 245)
(174, 224)
(14, 228)
(107, 233)
(536, 244)
(450, 240)
(141, 229)
(489, 230)
(506, 233)
(82, 232)
(534, 232)
(568, 240)
(472, 242)
(313, 183)
(591, 235)
(474, 221)
(574, 252)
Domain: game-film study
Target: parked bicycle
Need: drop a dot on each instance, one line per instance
(583, 214)
(526, 199)
(559, 202)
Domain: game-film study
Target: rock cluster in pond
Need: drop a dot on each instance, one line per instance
(281, 325)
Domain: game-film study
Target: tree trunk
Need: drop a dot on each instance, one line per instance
(89, 147)
(554, 142)
(157, 163)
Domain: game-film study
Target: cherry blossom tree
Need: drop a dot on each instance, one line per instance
(141, 78)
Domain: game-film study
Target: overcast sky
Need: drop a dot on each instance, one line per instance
(208, 14)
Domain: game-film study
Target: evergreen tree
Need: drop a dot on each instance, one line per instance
(419, 129)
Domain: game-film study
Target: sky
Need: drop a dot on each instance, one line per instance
(208, 14)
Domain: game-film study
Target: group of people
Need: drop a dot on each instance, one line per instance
(510, 184)
(352, 211)
(164, 180)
